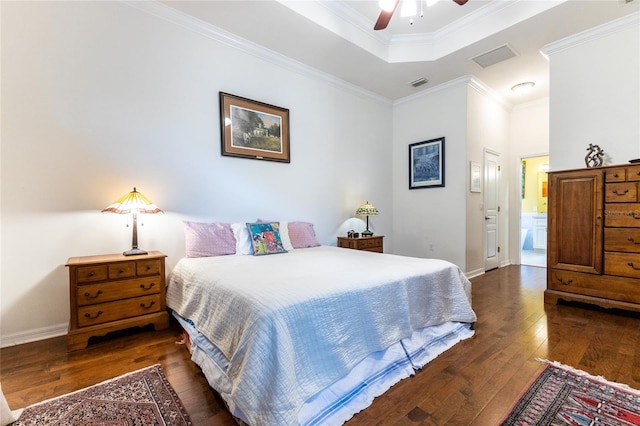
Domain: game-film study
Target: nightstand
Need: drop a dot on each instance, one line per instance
(114, 292)
(373, 243)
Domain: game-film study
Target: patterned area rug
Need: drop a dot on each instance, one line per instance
(143, 397)
(562, 395)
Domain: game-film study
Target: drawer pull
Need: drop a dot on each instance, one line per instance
(121, 271)
(143, 306)
(151, 285)
(631, 240)
(633, 267)
(88, 315)
(89, 296)
(625, 192)
(91, 273)
(561, 281)
(148, 268)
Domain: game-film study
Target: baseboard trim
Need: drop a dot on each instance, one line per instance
(474, 273)
(34, 335)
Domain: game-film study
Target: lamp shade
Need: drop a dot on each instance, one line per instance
(134, 203)
(367, 210)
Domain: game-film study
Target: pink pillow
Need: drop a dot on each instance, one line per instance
(208, 239)
(302, 235)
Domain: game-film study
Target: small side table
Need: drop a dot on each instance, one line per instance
(373, 243)
(113, 292)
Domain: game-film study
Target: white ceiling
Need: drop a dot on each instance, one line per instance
(337, 37)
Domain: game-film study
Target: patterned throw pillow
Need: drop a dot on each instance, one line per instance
(265, 238)
(283, 228)
(302, 235)
(208, 239)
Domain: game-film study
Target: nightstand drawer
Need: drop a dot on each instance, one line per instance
(113, 311)
(91, 294)
(122, 270)
(369, 242)
(362, 243)
(148, 267)
(88, 274)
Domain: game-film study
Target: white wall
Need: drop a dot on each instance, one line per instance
(429, 222)
(98, 97)
(595, 94)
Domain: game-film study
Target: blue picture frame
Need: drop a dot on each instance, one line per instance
(426, 164)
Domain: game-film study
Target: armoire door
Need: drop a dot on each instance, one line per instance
(576, 221)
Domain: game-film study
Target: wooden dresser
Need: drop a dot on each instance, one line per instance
(593, 252)
(113, 292)
(373, 243)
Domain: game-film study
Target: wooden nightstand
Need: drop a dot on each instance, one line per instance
(114, 292)
(362, 243)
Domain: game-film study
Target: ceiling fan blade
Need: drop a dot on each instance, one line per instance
(385, 17)
(461, 2)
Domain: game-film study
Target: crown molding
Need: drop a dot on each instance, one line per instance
(188, 22)
(345, 22)
(620, 24)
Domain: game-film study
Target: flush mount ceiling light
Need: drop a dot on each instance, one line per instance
(523, 88)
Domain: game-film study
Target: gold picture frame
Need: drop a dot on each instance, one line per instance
(252, 129)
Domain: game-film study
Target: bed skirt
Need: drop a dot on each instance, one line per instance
(337, 403)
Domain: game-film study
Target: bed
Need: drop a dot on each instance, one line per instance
(312, 336)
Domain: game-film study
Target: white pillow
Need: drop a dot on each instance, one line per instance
(284, 236)
(243, 238)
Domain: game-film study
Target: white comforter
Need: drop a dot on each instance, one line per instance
(291, 324)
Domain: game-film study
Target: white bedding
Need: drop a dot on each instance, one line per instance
(291, 324)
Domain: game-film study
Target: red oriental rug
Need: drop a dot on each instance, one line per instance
(562, 395)
(144, 397)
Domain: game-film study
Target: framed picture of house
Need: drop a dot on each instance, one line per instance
(474, 177)
(252, 129)
(426, 164)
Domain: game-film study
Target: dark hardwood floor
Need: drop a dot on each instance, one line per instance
(476, 382)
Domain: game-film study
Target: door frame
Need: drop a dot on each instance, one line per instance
(518, 207)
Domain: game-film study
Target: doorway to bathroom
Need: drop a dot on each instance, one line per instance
(533, 211)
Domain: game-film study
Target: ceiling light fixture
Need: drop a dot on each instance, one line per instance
(523, 88)
(410, 8)
(387, 5)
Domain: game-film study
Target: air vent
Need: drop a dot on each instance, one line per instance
(419, 82)
(494, 56)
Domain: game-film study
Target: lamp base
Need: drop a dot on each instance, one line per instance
(134, 252)
(367, 233)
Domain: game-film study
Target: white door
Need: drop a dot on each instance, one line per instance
(491, 210)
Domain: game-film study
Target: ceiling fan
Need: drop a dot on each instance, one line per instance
(387, 13)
